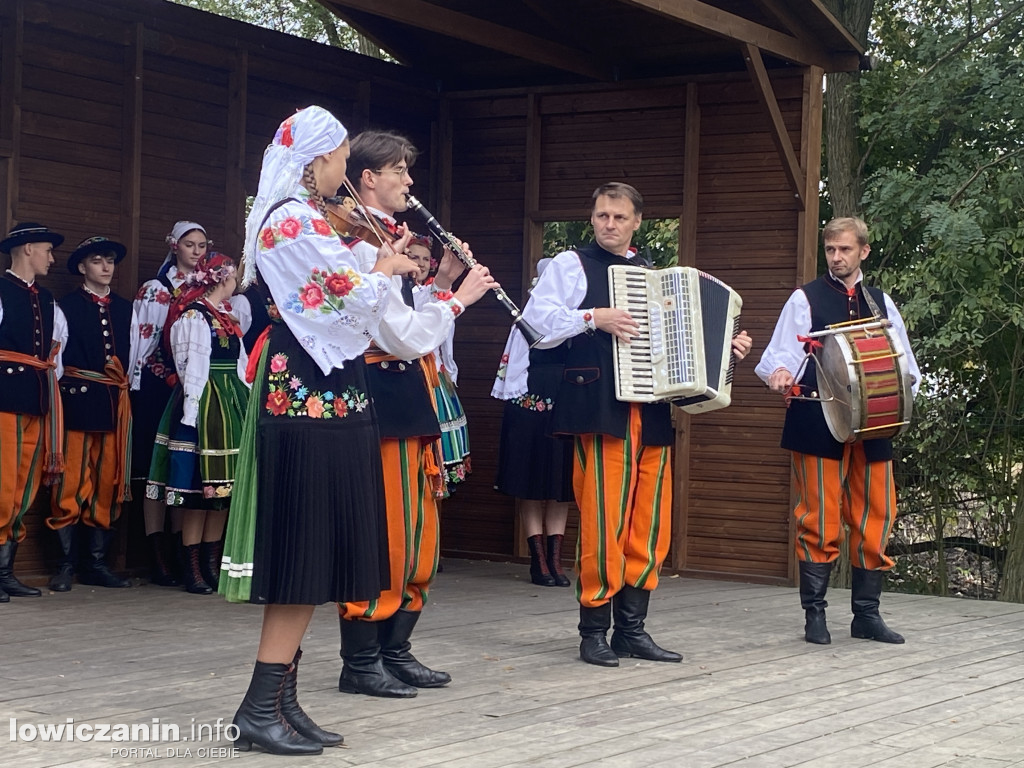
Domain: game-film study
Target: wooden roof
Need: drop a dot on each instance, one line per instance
(465, 44)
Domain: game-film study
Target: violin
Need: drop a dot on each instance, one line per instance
(348, 221)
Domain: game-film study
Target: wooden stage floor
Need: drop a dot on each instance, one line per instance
(750, 691)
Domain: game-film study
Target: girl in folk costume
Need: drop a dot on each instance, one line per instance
(307, 522)
(533, 466)
(197, 442)
(454, 432)
(154, 378)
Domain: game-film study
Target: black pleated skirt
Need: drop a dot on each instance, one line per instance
(531, 463)
(320, 533)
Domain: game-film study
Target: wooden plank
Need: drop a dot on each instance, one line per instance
(479, 32)
(234, 190)
(718, 22)
(11, 58)
(131, 167)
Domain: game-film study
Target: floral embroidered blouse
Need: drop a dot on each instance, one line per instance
(409, 332)
(151, 305)
(192, 338)
(332, 308)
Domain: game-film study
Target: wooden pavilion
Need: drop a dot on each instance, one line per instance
(119, 117)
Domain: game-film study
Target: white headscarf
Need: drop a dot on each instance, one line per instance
(178, 231)
(300, 139)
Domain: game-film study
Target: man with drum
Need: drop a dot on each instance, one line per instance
(835, 481)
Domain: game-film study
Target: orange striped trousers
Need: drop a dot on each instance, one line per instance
(413, 533)
(88, 486)
(852, 489)
(21, 470)
(624, 493)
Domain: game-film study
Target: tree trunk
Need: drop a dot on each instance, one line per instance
(842, 112)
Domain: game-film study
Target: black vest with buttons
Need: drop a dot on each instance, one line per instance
(27, 328)
(404, 404)
(586, 401)
(805, 430)
(95, 333)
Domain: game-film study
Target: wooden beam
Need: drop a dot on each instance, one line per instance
(486, 34)
(12, 34)
(763, 86)
(708, 18)
(131, 156)
(234, 167)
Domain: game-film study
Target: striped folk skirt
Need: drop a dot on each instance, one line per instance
(195, 467)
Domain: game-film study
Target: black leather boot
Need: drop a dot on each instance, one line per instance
(61, 580)
(594, 626)
(160, 572)
(363, 670)
(260, 720)
(194, 582)
(866, 589)
(629, 608)
(393, 635)
(293, 713)
(554, 558)
(8, 583)
(539, 573)
(813, 586)
(210, 553)
(96, 572)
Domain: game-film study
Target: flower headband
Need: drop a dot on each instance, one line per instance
(212, 269)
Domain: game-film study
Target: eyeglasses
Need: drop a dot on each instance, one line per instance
(400, 171)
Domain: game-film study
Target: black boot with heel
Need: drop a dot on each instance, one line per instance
(539, 572)
(813, 586)
(396, 652)
(294, 714)
(554, 558)
(363, 669)
(866, 589)
(629, 607)
(260, 720)
(594, 626)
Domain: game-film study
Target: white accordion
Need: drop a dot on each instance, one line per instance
(683, 354)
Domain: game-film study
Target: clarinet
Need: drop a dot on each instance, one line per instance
(447, 240)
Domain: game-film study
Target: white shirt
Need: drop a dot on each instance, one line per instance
(60, 330)
(554, 305)
(191, 346)
(332, 308)
(786, 351)
(408, 332)
(151, 305)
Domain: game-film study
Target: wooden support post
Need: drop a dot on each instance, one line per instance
(131, 158)
(238, 106)
(12, 25)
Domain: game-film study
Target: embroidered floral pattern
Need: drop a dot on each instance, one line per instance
(293, 226)
(503, 368)
(157, 293)
(289, 397)
(324, 292)
(534, 402)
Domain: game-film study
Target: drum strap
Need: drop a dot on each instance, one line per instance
(875, 311)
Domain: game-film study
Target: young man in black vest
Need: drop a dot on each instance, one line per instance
(103, 334)
(834, 480)
(32, 332)
(376, 635)
(623, 470)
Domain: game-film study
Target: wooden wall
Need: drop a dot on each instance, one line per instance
(120, 117)
(699, 151)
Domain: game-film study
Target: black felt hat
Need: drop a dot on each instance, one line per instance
(29, 232)
(98, 244)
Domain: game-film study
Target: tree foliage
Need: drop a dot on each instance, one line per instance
(942, 141)
(302, 18)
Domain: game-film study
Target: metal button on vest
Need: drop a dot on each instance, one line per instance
(579, 379)
(21, 369)
(103, 321)
(106, 333)
(73, 390)
(384, 365)
(84, 388)
(10, 370)
(401, 366)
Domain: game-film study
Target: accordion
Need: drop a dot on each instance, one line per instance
(683, 354)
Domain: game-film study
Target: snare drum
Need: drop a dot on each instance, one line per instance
(865, 382)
